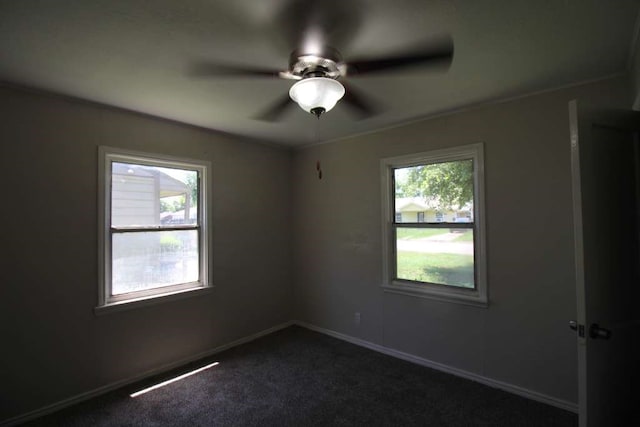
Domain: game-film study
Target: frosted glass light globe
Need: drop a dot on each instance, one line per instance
(316, 92)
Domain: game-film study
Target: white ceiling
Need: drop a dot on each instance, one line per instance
(136, 54)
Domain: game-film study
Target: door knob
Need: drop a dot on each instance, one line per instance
(595, 331)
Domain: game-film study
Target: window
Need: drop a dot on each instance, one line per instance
(154, 237)
(444, 257)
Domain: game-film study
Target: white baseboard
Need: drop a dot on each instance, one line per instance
(113, 386)
(520, 391)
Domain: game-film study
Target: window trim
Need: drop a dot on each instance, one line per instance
(475, 297)
(106, 303)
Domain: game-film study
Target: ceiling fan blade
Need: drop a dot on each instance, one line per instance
(436, 55)
(275, 112)
(211, 69)
(312, 25)
(359, 104)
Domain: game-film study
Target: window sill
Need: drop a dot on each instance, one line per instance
(424, 291)
(151, 300)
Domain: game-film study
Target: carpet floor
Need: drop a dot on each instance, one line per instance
(296, 377)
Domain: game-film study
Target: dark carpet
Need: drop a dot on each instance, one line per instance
(296, 377)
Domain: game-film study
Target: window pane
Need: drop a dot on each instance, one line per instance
(150, 195)
(437, 192)
(435, 255)
(147, 260)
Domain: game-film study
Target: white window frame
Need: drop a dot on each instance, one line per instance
(106, 301)
(477, 296)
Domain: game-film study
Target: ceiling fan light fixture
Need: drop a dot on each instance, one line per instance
(317, 95)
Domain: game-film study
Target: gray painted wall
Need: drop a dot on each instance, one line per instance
(53, 346)
(522, 338)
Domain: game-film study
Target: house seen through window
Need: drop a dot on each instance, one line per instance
(155, 240)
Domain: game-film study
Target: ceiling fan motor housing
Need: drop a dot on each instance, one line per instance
(324, 64)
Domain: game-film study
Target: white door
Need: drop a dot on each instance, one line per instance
(605, 154)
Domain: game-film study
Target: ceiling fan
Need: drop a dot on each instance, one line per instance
(319, 71)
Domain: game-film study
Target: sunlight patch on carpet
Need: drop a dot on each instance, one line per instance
(172, 380)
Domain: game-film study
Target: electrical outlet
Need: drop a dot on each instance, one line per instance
(356, 318)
